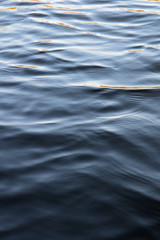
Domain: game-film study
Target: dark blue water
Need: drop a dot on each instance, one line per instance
(79, 120)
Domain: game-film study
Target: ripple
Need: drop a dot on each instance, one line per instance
(25, 66)
(80, 120)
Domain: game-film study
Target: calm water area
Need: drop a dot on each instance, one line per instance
(79, 120)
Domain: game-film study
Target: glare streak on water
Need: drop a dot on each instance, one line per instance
(79, 125)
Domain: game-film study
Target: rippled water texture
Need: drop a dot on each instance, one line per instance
(79, 120)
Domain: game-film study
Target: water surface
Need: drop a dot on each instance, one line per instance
(79, 120)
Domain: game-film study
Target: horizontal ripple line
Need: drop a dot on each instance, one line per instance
(131, 87)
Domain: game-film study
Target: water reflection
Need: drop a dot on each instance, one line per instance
(154, 46)
(49, 6)
(9, 8)
(93, 84)
(140, 11)
(135, 50)
(37, 1)
(131, 87)
(25, 66)
(76, 13)
(45, 41)
(4, 27)
(66, 25)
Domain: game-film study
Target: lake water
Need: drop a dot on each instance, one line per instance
(79, 120)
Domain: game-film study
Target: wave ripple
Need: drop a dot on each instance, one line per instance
(79, 142)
